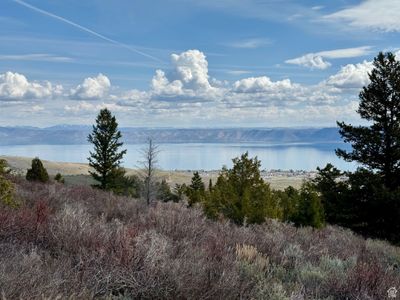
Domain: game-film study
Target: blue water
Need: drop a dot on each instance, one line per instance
(199, 156)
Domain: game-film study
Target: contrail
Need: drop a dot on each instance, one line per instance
(83, 28)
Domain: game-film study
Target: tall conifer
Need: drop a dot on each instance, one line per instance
(106, 157)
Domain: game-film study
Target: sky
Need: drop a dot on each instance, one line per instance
(186, 63)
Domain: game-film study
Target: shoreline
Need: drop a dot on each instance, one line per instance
(76, 172)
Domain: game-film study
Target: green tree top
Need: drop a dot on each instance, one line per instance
(377, 146)
(106, 156)
(196, 190)
(37, 172)
(241, 194)
(197, 183)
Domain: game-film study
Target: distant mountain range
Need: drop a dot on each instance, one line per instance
(76, 134)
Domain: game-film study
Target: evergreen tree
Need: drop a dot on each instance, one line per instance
(180, 191)
(7, 192)
(210, 185)
(164, 192)
(377, 146)
(241, 194)
(122, 184)
(289, 200)
(7, 196)
(37, 172)
(59, 178)
(333, 190)
(310, 211)
(106, 157)
(196, 189)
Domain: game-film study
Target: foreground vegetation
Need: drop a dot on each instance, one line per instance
(83, 242)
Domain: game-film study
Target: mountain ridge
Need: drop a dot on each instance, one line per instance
(77, 134)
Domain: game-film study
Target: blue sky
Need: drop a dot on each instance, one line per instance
(187, 63)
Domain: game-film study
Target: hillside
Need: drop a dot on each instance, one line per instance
(82, 243)
(62, 135)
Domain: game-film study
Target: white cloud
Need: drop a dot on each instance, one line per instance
(162, 86)
(185, 92)
(250, 43)
(371, 14)
(311, 60)
(188, 80)
(84, 106)
(92, 88)
(37, 108)
(237, 72)
(258, 92)
(346, 52)
(317, 7)
(351, 76)
(15, 86)
(191, 68)
(316, 60)
(36, 57)
(261, 84)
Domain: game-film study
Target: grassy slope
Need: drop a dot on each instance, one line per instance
(75, 241)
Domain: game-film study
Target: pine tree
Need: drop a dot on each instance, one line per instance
(333, 192)
(310, 211)
(241, 194)
(37, 172)
(164, 192)
(377, 146)
(106, 157)
(7, 189)
(197, 182)
(59, 178)
(196, 189)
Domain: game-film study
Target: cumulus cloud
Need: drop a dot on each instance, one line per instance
(351, 76)
(15, 86)
(264, 92)
(188, 78)
(311, 60)
(188, 82)
(92, 88)
(162, 86)
(316, 60)
(191, 67)
(261, 84)
(370, 14)
(185, 91)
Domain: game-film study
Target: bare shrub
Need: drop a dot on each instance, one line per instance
(77, 242)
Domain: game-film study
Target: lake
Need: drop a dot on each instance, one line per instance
(199, 156)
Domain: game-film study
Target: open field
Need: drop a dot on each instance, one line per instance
(78, 173)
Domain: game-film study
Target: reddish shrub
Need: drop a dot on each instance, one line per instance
(81, 243)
